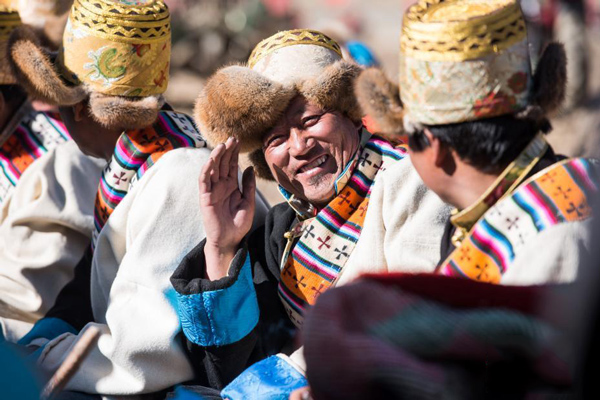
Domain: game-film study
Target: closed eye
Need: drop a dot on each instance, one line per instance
(310, 120)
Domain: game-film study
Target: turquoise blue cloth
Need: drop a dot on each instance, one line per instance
(361, 54)
(17, 379)
(270, 379)
(47, 328)
(221, 317)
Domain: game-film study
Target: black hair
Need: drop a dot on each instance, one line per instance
(487, 144)
(13, 94)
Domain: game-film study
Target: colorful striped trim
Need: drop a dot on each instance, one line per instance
(135, 153)
(556, 195)
(327, 240)
(37, 134)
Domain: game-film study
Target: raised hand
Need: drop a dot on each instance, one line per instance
(227, 212)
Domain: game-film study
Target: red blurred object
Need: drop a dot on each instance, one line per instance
(278, 8)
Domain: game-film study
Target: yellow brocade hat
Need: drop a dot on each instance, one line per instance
(463, 60)
(115, 53)
(119, 48)
(9, 20)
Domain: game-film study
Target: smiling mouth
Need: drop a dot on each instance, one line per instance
(313, 164)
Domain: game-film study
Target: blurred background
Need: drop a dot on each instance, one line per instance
(208, 34)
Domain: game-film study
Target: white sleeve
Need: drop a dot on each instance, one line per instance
(46, 226)
(554, 256)
(403, 228)
(146, 237)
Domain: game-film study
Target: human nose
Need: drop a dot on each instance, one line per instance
(300, 142)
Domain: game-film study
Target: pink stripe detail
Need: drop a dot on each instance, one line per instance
(491, 244)
(106, 191)
(307, 259)
(360, 183)
(33, 146)
(539, 206)
(289, 299)
(577, 164)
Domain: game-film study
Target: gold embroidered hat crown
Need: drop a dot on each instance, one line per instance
(463, 60)
(117, 52)
(245, 101)
(9, 21)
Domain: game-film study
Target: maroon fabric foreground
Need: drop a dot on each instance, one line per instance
(434, 337)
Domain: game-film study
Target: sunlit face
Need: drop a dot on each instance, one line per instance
(308, 149)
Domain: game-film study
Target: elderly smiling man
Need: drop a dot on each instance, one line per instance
(294, 110)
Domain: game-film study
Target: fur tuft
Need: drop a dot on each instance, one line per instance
(239, 102)
(124, 113)
(261, 168)
(35, 71)
(379, 98)
(332, 89)
(550, 79)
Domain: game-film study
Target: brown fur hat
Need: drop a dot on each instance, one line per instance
(379, 98)
(242, 103)
(549, 85)
(36, 71)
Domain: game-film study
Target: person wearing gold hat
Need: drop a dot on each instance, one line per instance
(476, 115)
(108, 81)
(47, 187)
(293, 109)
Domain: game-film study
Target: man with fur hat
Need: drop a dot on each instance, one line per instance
(293, 108)
(476, 115)
(47, 187)
(115, 64)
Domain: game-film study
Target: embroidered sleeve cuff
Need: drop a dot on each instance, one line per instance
(272, 378)
(47, 328)
(220, 316)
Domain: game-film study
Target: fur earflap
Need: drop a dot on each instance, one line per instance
(124, 113)
(239, 102)
(379, 98)
(261, 168)
(35, 71)
(550, 79)
(332, 89)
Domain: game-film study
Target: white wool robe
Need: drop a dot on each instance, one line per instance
(403, 227)
(45, 227)
(134, 305)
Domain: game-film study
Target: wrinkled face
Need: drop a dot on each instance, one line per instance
(308, 149)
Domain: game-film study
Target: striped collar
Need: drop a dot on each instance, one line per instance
(504, 185)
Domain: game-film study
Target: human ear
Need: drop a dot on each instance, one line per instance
(79, 111)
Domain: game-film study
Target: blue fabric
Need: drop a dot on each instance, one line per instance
(17, 376)
(182, 393)
(270, 379)
(47, 328)
(221, 317)
(361, 54)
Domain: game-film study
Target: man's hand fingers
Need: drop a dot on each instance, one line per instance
(235, 156)
(204, 182)
(216, 156)
(226, 158)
